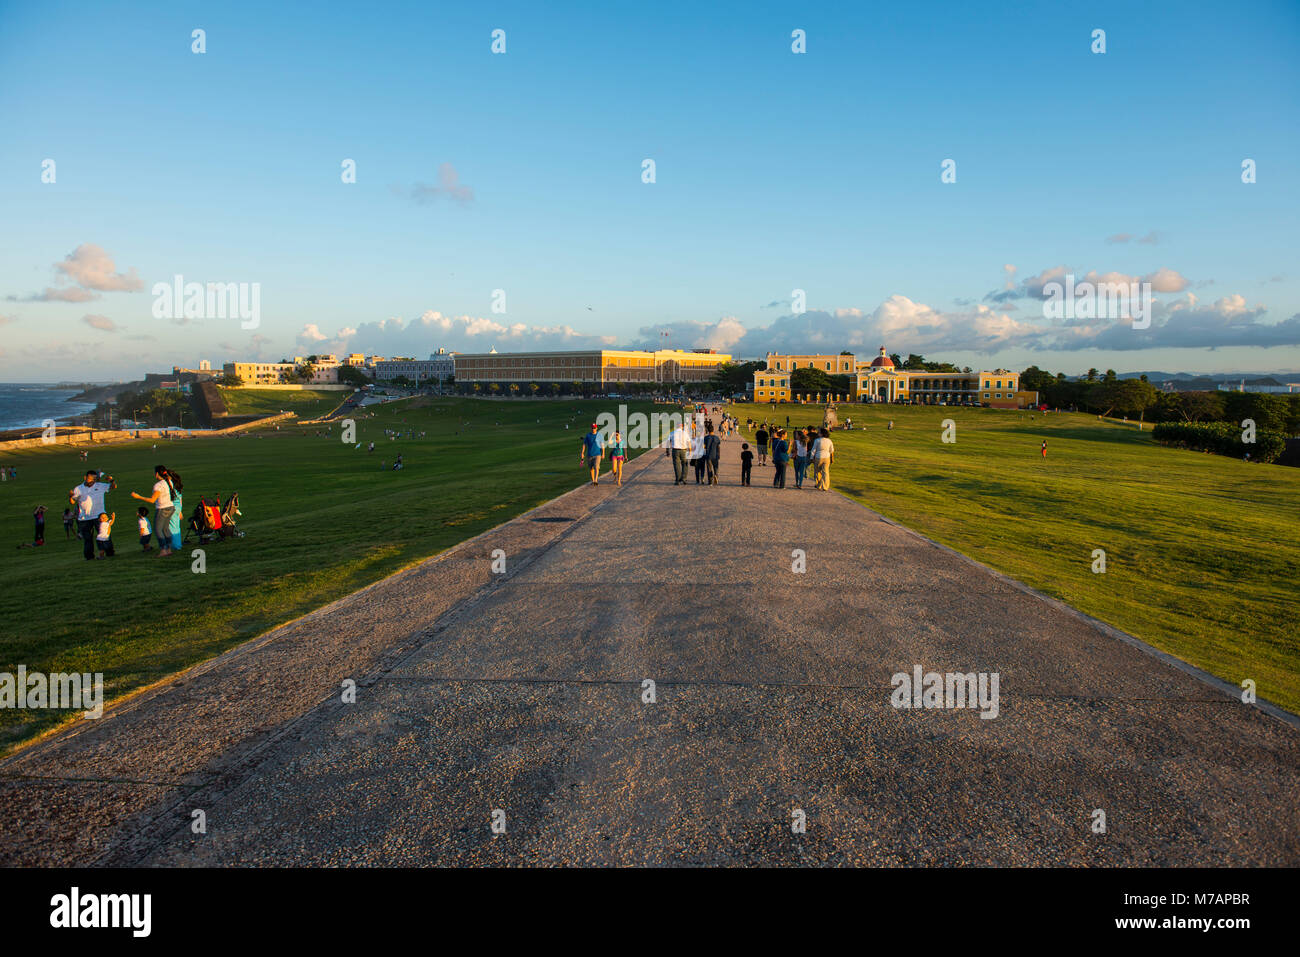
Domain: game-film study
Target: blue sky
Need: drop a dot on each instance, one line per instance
(774, 171)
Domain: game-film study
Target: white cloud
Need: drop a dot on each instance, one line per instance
(103, 323)
(91, 267)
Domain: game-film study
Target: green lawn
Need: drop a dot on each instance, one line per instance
(308, 403)
(321, 518)
(1202, 556)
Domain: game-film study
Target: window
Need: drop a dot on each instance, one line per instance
(986, 395)
(987, 384)
(828, 367)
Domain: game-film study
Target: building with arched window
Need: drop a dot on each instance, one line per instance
(881, 381)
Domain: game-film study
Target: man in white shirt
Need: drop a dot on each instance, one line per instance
(823, 454)
(679, 447)
(88, 497)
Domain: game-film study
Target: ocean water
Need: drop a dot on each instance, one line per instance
(28, 405)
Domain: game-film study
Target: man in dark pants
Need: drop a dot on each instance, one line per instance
(679, 447)
(88, 497)
(780, 456)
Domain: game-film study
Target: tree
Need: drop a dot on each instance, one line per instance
(231, 381)
(732, 377)
(351, 375)
(1092, 375)
(534, 388)
(808, 381)
(1128, 397)
(1035, 379)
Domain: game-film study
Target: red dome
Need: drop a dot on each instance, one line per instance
(882, 361)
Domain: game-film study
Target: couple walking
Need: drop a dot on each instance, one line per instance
(697, 446)
(594, 449)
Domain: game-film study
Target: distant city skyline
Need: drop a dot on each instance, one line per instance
(516, 181)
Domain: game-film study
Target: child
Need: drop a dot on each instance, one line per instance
(104, 537)
(39, 516)
(174, 527)
(146, 533)
(67, 523)
(746, 462)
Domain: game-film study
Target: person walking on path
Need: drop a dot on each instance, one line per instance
(88, 497)
(712, 454)
(617, 456)
(165, 484)
(591, 452)
(823, 454)
(679, 447)
(800, 457)
(780, 456)
(697, 454)
(760, 439)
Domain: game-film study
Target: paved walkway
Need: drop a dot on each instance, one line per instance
(524, 693)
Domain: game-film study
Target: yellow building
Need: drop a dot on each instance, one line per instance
(601, 366)
(831, 364)
(881, 381)
(771, 386)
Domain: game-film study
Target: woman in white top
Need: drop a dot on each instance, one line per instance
(697, 455)
(161, 500)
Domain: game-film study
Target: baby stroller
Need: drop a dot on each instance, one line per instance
(212, 520)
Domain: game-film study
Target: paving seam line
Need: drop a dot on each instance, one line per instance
(1110, 631)
(278, 633)
(226, 779)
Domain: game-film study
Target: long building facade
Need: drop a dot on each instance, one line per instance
(881, 381)
(602, 367)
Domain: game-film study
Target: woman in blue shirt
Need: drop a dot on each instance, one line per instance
(617, 456)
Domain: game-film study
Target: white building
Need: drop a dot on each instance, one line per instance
(439, 367)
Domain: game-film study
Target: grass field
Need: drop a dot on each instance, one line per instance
(308, 403)
(1202, 556)
(321, 519)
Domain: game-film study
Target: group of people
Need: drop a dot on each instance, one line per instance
(809, 446)
(593, 452)
(94, 522)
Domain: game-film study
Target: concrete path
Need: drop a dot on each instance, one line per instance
(524, 693)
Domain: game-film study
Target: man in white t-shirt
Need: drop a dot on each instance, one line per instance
(88, 497)
(823, 454)
(679, 447)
